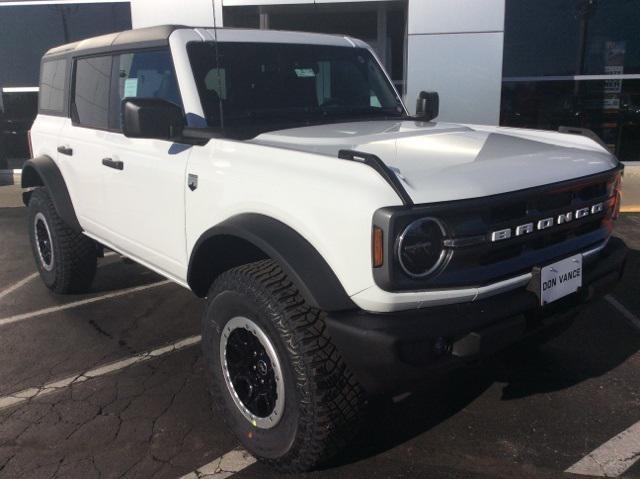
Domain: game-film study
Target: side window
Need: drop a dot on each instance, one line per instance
(90, 106)
(53, 79)
(144, 74)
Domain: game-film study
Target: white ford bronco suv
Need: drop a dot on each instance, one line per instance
(345, 248)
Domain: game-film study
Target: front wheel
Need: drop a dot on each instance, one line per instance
(275, 375)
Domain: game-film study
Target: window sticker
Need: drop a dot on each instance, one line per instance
(130, 87)
(305, 72)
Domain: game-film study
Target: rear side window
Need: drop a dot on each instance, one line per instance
(144, 74)
(53, 79)
(90, 105)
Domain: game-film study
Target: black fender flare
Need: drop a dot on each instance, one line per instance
(42, 171)
(249, 237)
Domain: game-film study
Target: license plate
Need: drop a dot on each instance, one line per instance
(560, 279)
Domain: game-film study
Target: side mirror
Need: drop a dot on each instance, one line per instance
(151, 118)
(428, 105)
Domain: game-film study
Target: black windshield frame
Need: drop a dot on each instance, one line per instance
(247, 88)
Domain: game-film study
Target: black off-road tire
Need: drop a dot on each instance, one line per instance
(323, 403)
(74, 256)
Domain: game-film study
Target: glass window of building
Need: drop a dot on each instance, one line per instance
(30, 30)
(381, 24)
(574, 63)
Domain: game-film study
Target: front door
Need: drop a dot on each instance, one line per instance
(144, 180)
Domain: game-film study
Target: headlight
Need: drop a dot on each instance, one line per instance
(420, 247)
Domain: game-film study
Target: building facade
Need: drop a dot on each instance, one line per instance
(529, 63)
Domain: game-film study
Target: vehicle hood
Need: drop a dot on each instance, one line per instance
(444, 161)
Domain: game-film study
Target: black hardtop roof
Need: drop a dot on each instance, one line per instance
(137, 38)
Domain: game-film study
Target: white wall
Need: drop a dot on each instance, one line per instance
(448, 16)
(146, 13)
(455, 48)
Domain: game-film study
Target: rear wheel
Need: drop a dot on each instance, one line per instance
(66, 259)
(276, 377)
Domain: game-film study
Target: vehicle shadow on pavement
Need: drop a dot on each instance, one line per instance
(599, 341)
(114, 277)
(121, 274)
(114, 273)
(111, 277)
(390, 423)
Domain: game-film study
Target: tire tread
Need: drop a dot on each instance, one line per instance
(331, 399)
(75, 260)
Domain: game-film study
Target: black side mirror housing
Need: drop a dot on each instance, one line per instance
(152, 118)
(428, 105)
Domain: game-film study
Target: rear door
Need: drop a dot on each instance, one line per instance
(83, 139)
(144, 200)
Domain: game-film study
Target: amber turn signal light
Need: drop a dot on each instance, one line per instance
(377, 252)
(617, 191)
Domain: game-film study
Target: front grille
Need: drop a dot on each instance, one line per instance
(547, 202)
(492, 261)
(543, 205)
(485, 261)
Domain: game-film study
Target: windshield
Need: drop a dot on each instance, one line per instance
(255, 87)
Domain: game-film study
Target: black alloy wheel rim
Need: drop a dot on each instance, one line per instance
(43, 241)
(251, 372)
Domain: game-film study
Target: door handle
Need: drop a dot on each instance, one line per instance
(65, 150)
(118, 165)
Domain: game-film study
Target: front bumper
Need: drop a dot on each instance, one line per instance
(389, 352)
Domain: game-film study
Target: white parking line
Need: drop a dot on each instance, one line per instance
(629, 316)
(17, 285)
(224, 466)
(75, 304)
(27, 394)
(24, 281)
(613, 458)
